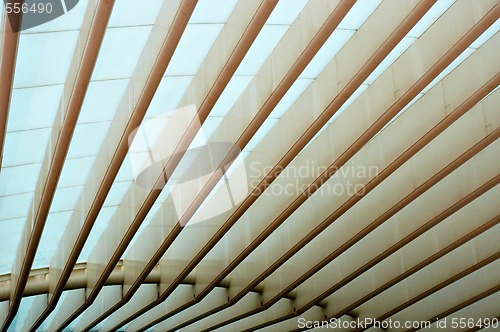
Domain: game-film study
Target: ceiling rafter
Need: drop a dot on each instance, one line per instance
(78, 81)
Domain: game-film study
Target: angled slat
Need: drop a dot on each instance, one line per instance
(9, 39)
(321, 280)
(279, 287)
(252, 128)
(473, 34)
(474, 272)
(333, 309)
(452, 209)
(483, 314)
(209, 100)
(347, 88)
(84, 59)
(162, 43)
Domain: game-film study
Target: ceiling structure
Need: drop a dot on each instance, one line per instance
(365, 183)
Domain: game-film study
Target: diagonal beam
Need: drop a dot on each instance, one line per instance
(353, 84)
(427, 138)
(250, 34)
(9, 39)
(148, 83)
(84, 61)
(418, 267)
(313, 47)
(430, 75)
(438, 287)
(462, 305)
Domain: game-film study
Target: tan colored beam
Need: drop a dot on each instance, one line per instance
(304, 139)
(83, 64)
(456, 50)
(215, 92)
(463, 304)
(292, 74)
(10, 41)
(436, 130)
(440, 286)
(152, 80)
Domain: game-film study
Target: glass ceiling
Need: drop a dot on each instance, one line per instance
(43, 73)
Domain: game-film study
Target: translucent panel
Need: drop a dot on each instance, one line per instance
(87, 139)
(51, 237)
(295, 91)
(464, 55)
(101, 100)
(168, 95)
(359, 14)
(44, 58)
(22, 314)
(33, 108)
(15, 206)
(117, 192)
(349, 101)
(261, 133)
(25, 147)
(264, 44)
(9, 237)
(65, 199)
(413, 101)
(400, 48)
(126, 173)
(212, 11)
(18, 179)
(111, 63)
(133, 12)
(210, 125)
(490, 32)
(430, 17)
(231, 93)
(193, 47)
(330, 48)
(286, 11)
(100, 225)
(71, 20)
(75, 172)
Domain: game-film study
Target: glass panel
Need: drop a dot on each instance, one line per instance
(71, 20)
(295, 91)
(193, 48)
(168, 95)
(100, 225)
(264, 44)
(330, 48)
(133, 12)
(430, 17)
(11, 229)
(25, 147)
(359, 14)
(111, 63)
(212, 11)
(231, 93)
(75, 172)
(19, 179)
(44, 58)
(286, 11)
(101, 100)
(33, 108)
(52, 234)
(87, 139)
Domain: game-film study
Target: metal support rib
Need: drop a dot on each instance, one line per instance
(42, 207)
(10, 43)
